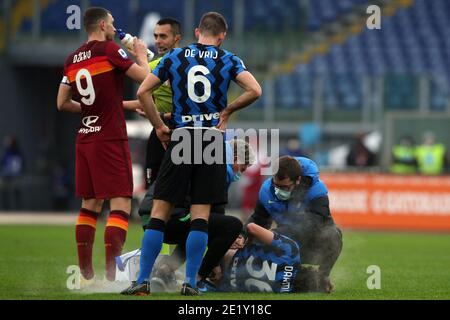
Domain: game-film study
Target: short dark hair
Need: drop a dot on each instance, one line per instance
(213, 23)
(92, 16)
(288, 167)
(175, 25)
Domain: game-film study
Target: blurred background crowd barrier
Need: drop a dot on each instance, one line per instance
(380, 201)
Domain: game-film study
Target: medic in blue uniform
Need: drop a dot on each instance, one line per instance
(297, 201)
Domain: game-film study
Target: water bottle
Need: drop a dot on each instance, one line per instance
(127, 40)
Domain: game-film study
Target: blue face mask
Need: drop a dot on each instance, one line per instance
(282, 195)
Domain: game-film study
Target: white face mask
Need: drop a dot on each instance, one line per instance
(282, 195)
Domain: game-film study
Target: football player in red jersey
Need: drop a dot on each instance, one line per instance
(95, 74)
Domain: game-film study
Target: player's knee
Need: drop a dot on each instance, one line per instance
(199, 225)
(161, 209)
(200, 211)
(234, 226)
(156, 224)
(121, 203)
(92, 204)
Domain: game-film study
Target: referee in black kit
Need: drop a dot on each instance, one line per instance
(200, 75)
(167, 35)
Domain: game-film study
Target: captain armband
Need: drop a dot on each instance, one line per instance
(65, 80)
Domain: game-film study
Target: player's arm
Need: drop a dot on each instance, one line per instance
(64, 100)
(137, 72)
(262, 234)
(135, 105)
(132, 105)
(260, 216)
(319, 203)
(140, 69)
(144, 94)
(320, 206)
(252, 91)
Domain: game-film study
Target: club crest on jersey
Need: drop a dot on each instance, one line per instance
(88, 123)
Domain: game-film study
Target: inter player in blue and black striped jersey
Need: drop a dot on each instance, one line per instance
(270, 262)
(199, 75)
(269, 265)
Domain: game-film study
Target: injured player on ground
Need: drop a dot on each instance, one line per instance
(259, 261)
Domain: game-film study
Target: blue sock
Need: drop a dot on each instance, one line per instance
(151, 246)
(195, 248)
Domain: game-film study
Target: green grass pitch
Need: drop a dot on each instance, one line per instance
(34, 259)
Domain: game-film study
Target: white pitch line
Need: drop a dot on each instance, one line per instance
(38, 218)
(53, 218)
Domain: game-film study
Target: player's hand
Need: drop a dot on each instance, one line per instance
(216, 274)
(163, 134)
(223, 120)
(167, 115)
(141, 112)
(238, 243)
(139, 48)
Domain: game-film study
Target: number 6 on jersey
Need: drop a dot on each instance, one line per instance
(193, 79)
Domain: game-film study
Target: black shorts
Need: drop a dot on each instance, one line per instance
(155, 155)
(204, 182)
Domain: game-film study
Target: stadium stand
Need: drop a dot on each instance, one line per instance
(396, 53)
(342, 51)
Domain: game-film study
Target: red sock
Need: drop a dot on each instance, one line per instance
(85, 234)
(115, 235)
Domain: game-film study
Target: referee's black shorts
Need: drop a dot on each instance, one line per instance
(155, 155)
(204, 183)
